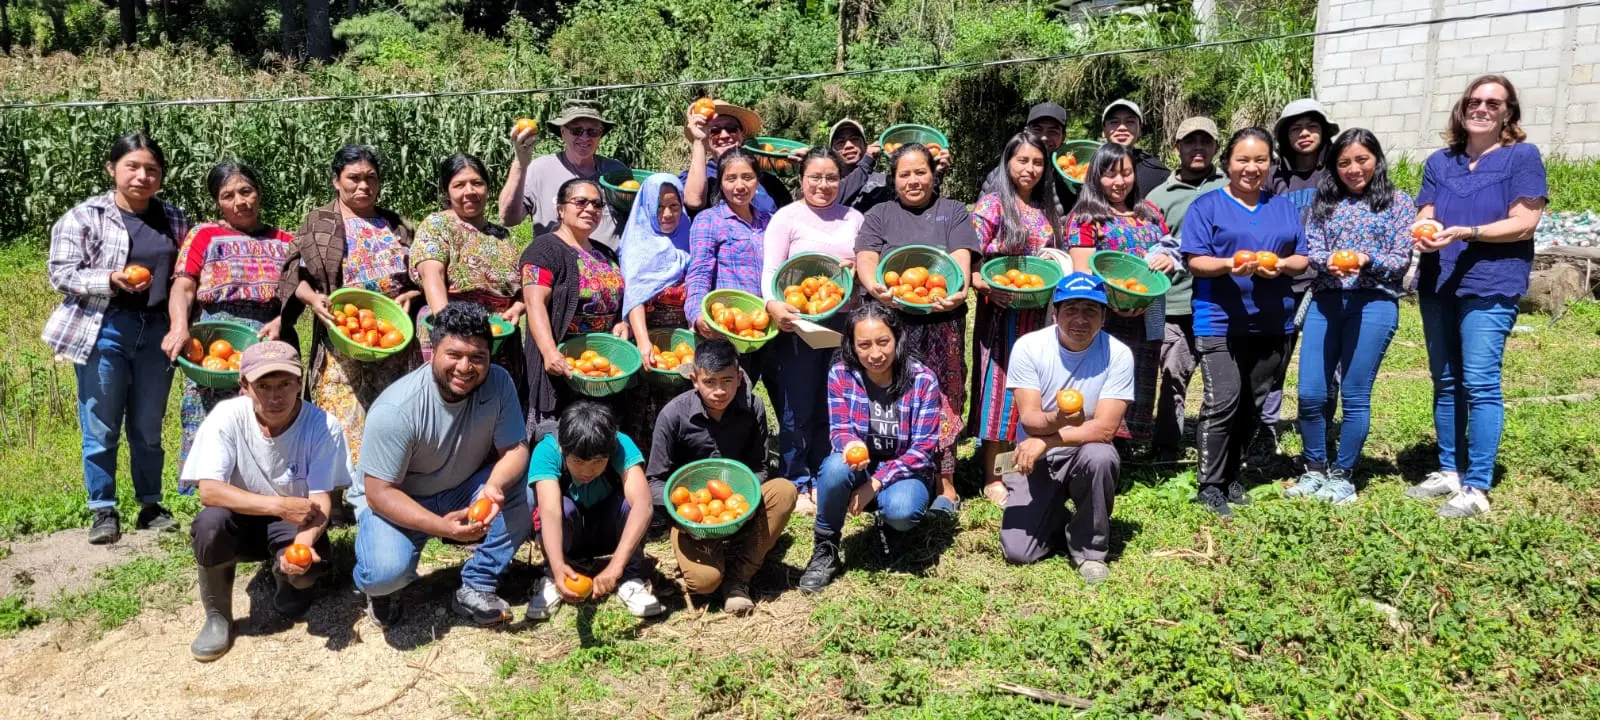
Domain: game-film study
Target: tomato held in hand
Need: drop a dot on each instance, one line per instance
(195, 351)
(297, 555)
(480, 510)
(1345, 260)
(1267, 259)
(704, 107)
(526, 124)
(1425, 230)
(1069, 401)
(581, 586)
(856, 454)
(136, 274)
(1242, 258)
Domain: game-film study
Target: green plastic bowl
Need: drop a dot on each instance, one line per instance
(1111, 265)
(695, 475)
(667, 339)
(1080, 149)
(1045, 268)
(207, 331)
(384, 309)
(907, 133)
(501, 327)
(777, 160)
(746, 302)
(621, 353)
(938, 263)
(620, 199)
(805, 265)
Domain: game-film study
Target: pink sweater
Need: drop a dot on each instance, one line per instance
(799, 228)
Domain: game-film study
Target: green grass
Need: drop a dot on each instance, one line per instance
(1294, 610)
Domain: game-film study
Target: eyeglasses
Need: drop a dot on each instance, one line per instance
(586, 132)
(724, 129)
(1490, 103)
(822, 179)
(585, 203)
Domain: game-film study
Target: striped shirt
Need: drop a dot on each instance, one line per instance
(850, 412)
(86, 245)
(725, 253)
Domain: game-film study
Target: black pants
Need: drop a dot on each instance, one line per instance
(1238, 373)
(221, 536)
(1177, 369)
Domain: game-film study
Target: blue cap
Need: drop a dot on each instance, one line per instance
(1079, 286)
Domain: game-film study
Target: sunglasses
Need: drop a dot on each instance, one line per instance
(1491, 103)
(586, 132)
(585, 204)
(724, 130)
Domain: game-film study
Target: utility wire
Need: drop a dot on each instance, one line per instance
(966, 65)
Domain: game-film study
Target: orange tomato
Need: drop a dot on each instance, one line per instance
(212, 362)
(741, 322)
(194, 352)
(1069, 401)
(221, 348)
(719, 489)
(715, 507)
(391, 339)
(581, 585)
(728, 516)
(526, 124)
(690, 512)
(1267, 259)
(738, 499)
(760, 321)
(384, 326)
(298, 555)
(600, 363)
(1242, 257)
(702, 496)
(1425, 231)
(1000, 280)
(704, 107)
(936, 281)
(680, 495)
(1138, 287)
(369, 323)
(350, 309)
(856, 454)
(233, 362)
(588, 355)
(891, 278)
(915, 277)
(1034, 281)
(933, 148)
(1345, 260)
(479, 511)
(136, 274)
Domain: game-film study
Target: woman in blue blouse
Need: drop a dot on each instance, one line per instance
(1243, 307)
(1485, 193)
(1359, 241)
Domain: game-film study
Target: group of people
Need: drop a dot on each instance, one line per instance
(1290, 235)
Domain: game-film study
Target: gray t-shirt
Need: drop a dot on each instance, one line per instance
(425, 446)
(544, 177)
(1103, 371)
(308, 457)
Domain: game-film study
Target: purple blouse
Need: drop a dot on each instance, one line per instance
(1463, 198)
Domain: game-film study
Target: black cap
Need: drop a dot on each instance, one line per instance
(1047, 110)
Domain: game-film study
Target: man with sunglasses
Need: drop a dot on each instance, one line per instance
(708, 139)
(530, 189)
(1047, 121)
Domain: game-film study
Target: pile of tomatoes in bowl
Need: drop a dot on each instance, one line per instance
(714, 504)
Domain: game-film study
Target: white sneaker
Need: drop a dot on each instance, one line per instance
(1470, 502)
(637, 597)
(1438, 484)
(546, 599)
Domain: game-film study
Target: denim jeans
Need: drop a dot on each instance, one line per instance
(595, 531)
(800, 400)
(386, 554)
(1343, 343)
(901, 505)
(1466, 339)
(125, 382)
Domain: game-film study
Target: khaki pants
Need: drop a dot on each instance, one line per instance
(706, 563)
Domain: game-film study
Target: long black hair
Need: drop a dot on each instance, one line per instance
(1241, 135)
(228, 170)
(1332, 190)
(900, 369)
(453, 165)
(1013, 233)
(352, 154)
(1094, 206)
(136, 140)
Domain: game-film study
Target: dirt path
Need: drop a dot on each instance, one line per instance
(43, 566)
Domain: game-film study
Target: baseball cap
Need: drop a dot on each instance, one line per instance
(1197, 124)
(1079, 286)
(1121, 102)
(264, 358)
(1047, 111)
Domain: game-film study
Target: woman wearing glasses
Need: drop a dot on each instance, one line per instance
(1483, 196)
(570, 286)
(709, 140)
(818, 225)
(530, 187)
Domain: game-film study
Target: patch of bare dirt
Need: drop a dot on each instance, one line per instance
(44, 566)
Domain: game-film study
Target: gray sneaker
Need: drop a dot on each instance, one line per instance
(154, 517)
(1438, 484)
(107, 527)
(1340, 488)
(1310, 482)
(480, 606)
(1469, 503)
(1093, 572)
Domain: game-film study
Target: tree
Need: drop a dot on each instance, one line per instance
(319, 31)
(127, 15)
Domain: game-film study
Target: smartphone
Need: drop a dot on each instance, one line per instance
(1004, 464)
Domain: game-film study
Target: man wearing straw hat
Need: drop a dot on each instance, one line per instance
(530, 189)
(709, 138)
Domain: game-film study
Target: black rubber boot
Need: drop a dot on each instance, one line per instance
(823, 566)
(216, 597)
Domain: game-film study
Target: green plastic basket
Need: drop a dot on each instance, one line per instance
(620, 199)
(938, 263)
(621, 353)
(744, 301)
(805, 265)
(1080, 149)
(778, 160)
(207, 331)
(1111, 265)
(667, 339)
(695, 475)
(907, 133)
(382, 307)
(501, 327)
(1047, 269)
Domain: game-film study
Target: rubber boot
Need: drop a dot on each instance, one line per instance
(216, 597)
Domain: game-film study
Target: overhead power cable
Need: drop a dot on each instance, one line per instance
(965, 65)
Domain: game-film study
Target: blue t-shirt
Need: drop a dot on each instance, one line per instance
(547, 465)
(1464, 198)
(1217, 225)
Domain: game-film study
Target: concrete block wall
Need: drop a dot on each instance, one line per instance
(1402, 83)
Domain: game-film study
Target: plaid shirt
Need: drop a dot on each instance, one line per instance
(849, 411)
(725, 253)
(86, 246)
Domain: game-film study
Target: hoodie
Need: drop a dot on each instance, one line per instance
(862, 187)
(1301, 187)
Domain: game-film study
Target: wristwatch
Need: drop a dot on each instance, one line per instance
(1474, 234)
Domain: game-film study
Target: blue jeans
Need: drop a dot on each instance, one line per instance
(1466, 338)
(1345, 333)
(901, 505)
(125, 382)
(386, 554)
(798, 387)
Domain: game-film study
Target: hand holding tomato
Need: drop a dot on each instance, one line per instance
(557, 365)
(297, 559)
(175, 342)
(483, 510)
(460, 528)
(856, 456)
(565, 580)
(1244, 264)
(951, 302)
(524, 135)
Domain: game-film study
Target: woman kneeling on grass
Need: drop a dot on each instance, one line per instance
(883, 410)
(1359, 241)
(112, 258)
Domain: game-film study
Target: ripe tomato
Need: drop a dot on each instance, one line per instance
(1425, 230)
(690, 512)
(760, 321)
(728, 516)
(298, 555)
(702, 496)
(936, 281)
(1069, 401)
(915, 277)
(1267, 259)
(350, 309)
(391, 339)
(719, 489)
(221, 348)
(581, 585)
(136, 274)
(1243, 257)
(1345, 260)
(526, 124)
(1000, 281)
(212, 362)
(704, 107)
(738, 499)
(715, 507)
(194, 352)
(680, 495)
(891, 278)
(601, 363)
(856, 454)
(479, 511)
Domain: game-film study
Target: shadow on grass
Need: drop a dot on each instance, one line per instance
(915, 551)
(1415, 462)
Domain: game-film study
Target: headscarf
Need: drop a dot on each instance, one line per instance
(652, 261)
